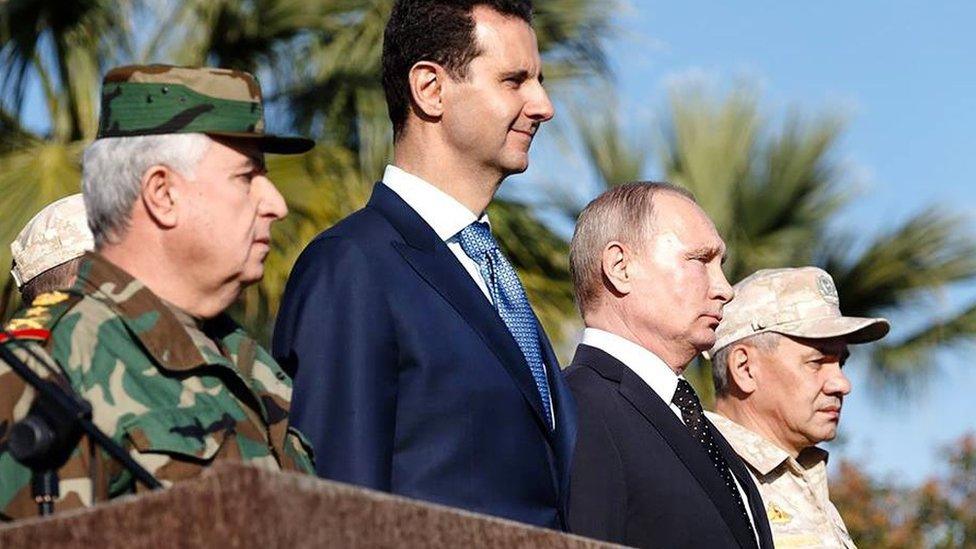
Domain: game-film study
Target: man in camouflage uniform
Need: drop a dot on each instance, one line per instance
(180, 208)
(48, 249)
(779, 389)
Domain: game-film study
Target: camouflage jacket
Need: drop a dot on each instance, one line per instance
(177, 394)
(794, 490)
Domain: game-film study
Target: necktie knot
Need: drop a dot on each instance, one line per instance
(686, 399)
(476, 241)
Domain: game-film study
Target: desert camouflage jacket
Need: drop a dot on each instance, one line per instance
(794, 490)
(176, 393)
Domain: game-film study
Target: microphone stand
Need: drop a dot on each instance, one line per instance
(54, 424)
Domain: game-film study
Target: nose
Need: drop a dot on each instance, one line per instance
(271, 203)
(838, 383)
(539, 108)
(721, 289)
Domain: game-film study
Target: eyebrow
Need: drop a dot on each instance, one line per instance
(708, 251)
(254, 162)
(518, 73)
(824, 352)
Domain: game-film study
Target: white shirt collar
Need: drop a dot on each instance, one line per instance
(654, 371)
(440, 210)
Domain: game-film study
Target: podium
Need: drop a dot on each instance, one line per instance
(235, 505)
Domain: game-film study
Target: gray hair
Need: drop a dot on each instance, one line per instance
(623, 213)
(112, 172)
(765, 342)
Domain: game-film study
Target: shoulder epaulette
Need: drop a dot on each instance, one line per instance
(36, 321)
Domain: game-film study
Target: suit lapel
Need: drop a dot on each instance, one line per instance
(565, 410)
(430, 257)
(673, 431)
(756, 504)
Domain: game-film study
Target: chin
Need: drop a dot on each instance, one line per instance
(828, 434)
(515, 170)
(515, 164)
(250, 276)
(704, 342)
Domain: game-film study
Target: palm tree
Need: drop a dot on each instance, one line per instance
(333, 94)
(772, 192)
(58, 47)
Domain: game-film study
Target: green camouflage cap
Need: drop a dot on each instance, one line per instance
(800, 302)
(162, 99)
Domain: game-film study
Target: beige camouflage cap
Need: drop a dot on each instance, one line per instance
(57, 234)
(800, 302)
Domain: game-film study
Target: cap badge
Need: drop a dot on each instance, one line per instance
(827, 289)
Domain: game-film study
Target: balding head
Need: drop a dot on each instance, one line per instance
(625, 213)
(647, 266)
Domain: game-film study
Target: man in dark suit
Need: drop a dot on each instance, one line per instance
(649, 469)
(420, 368)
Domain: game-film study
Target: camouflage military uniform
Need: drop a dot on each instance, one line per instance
(177, 393)
(794, 490)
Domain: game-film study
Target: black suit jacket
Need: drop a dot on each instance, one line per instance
(408, 381)
(638, 476)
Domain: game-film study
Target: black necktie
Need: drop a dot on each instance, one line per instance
(691, 410)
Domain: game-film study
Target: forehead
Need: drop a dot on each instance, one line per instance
(505, 40)
(679, 218)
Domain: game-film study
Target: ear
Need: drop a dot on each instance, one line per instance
(160, 194)
(743, 367)
(426, 87)
(616, 266)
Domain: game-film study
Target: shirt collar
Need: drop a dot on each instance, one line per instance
(440, 210)
(163, 330)
(647, 365)
(761, 454)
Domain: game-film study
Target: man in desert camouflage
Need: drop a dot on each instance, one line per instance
(180, 207)
(48, 250)
(779, 389)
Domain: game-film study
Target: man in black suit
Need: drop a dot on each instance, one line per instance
(649, 469)
(421, 368)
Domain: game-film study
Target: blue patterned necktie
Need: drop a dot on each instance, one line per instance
(510, 301)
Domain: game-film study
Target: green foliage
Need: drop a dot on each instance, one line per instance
(334, 94)
(772, 191)
(772, 194)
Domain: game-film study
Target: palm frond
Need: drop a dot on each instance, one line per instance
(925, 253)
(571, 35)
(68, 41)
(709, 147)
(906, 362)
(33, 176)
(616, 156)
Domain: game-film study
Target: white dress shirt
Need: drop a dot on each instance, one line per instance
(447, 217)
(442, 212)
(656, 374)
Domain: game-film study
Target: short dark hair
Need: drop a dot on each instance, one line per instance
(440, 31)
(58, 277)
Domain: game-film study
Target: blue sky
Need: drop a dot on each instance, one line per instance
(904, 77)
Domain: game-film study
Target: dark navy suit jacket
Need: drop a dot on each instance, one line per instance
(407, 380)
(639, 478)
